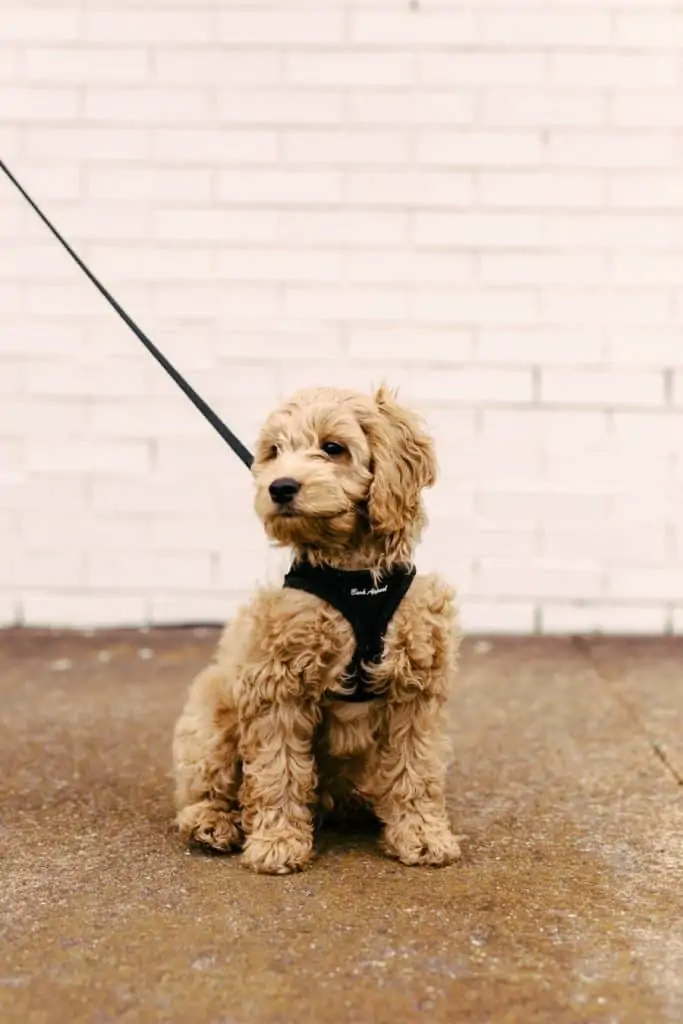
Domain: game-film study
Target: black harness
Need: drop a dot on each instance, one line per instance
(368, 606)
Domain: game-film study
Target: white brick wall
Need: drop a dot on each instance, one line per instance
(481, 202)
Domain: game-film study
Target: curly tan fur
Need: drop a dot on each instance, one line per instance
(260, 743)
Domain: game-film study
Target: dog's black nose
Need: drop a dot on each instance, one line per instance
(283, 489)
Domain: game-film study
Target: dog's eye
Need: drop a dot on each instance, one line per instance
(333, 448)
(273, 452)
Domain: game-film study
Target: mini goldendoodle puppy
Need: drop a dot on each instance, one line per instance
(330, 689)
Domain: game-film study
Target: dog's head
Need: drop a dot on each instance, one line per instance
(336, 470)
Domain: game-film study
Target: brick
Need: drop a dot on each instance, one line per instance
(215, 146)
(161, 185)
(38, 491)
(647, 433)
(598, 387)
(48, 180)
(468, 230)
(655, 583)
(11, 453)
(476, 306)
(103, 222)
(496, 617)
(123, 493)
(582, 618)
(419, 107)
(613, 70)
(661, 30)
(11, 377)
(479, 149)
(502, 542)
(575, 149)
(53, 299)
(342, 148)
(610, 543)
(348, 68)
(194, 608)
(478, 69)
(83, 456)
(88, 609)
(279, 27)
(10, 140)
(173, 533)
(608, 229)
(12, 298)
(543, 578)
(535, 108)
(305, 341)
(112, 145)
(221, 300)
(148, 105)
(337, 373)
(541, 189)
(410, 344)
(660, 268)
(558, 29)
(618, 307)
(644, 190)
(25, 25)
(278, 265)
(140, 263)
(409, 27)
(49, 568)
(339, 227)
(187, 65)
(521, 268)
(647, 110)
(467, 386)
(272, 188)
(533, 346)
(410, 266)
(359, 304)
(143, 418)
(202, 225)
(32, 417)
(148, 26)
(541, 503)
(9, 610)
(281, 107)
(85, 65)
(83, 530)
(147, 570)
(26, 103)
(645, 509)
(444, 188)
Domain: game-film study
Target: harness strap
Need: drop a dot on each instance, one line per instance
(231, 439)
(366, 605)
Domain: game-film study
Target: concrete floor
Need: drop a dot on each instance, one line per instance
(568, 907)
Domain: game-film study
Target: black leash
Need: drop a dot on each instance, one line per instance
(239, 449)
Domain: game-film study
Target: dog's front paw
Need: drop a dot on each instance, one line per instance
(415, 841)
(277, 853)
(204, 824)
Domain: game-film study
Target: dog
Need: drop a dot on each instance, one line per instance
(329, 693)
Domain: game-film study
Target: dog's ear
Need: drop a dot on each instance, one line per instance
(403, 463)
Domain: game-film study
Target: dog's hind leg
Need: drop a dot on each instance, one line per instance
(207, 767)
